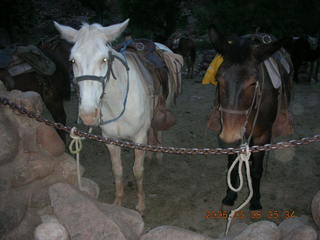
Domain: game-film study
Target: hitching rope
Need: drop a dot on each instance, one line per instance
(241, 158)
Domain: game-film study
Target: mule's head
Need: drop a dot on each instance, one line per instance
(237, 78)
(90, 57)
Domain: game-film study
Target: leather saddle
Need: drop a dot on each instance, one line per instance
(20, 59)
(147, 53)
(149, 56)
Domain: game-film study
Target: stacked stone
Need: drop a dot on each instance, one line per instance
(32, 157)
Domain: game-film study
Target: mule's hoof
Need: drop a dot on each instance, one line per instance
(149, 156)
(117, 202)
(255, 206)
(224, 207)
(140, 209)
(228, 202)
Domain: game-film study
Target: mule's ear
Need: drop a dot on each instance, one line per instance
(67, 33)
(264, 51)
(113, 32)
(217, 39)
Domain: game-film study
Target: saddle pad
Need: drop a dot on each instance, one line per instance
(273, 68)
(273, 71)
(19, 69)
(162, 47)
(281, 56)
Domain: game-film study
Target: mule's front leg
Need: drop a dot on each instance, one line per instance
(257, 169)
(138, 169)
(231, 196)
(138, 173)
(256, 173)
(115, 155)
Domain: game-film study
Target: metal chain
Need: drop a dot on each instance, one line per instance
(162, 149)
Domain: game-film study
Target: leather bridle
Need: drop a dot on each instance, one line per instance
(255, 104)
(104, 80)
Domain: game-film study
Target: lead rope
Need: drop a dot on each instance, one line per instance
(241, 158)
(75, 147)
(244, 157)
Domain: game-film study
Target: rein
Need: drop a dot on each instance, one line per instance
(104, 80)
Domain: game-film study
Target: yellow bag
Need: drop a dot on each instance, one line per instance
(210, 76)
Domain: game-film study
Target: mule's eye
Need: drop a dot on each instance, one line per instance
(72, 60)
(105, 60)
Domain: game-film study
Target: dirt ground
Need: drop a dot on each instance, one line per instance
(182, 189)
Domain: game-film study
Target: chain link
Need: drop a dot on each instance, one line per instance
(154, 148)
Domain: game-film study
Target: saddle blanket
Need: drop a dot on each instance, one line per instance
(19, 69)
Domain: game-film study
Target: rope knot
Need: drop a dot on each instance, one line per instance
(75, 147)
(245, 152)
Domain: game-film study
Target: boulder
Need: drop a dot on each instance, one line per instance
(90, 187)
(67, 169)
(262, 230)
(13, 207)
(9, 139)
(85, 218)
(51, 231)
(288, 225)
(49, 140)
(315, 208)
(303, 232)
(26, 227)
(172, 233)
(31, 167)
(236, 229)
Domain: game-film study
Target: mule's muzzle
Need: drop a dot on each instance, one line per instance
(223, 144)
(90, 118)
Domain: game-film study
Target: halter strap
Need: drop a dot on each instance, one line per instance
(232, 111)
(256, 103)
(104, 79)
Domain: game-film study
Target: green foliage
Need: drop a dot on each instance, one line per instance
(17, 17)
(157, 17)
(203, 44)
(273, 16)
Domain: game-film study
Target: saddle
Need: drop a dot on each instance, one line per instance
(22, 59)
(157, 80)
(146, 52)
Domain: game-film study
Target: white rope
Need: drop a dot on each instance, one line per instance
(75, 147)
(241, 158)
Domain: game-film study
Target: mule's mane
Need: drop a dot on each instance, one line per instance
(90, 31)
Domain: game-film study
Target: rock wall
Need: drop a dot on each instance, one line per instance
(32, 158)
